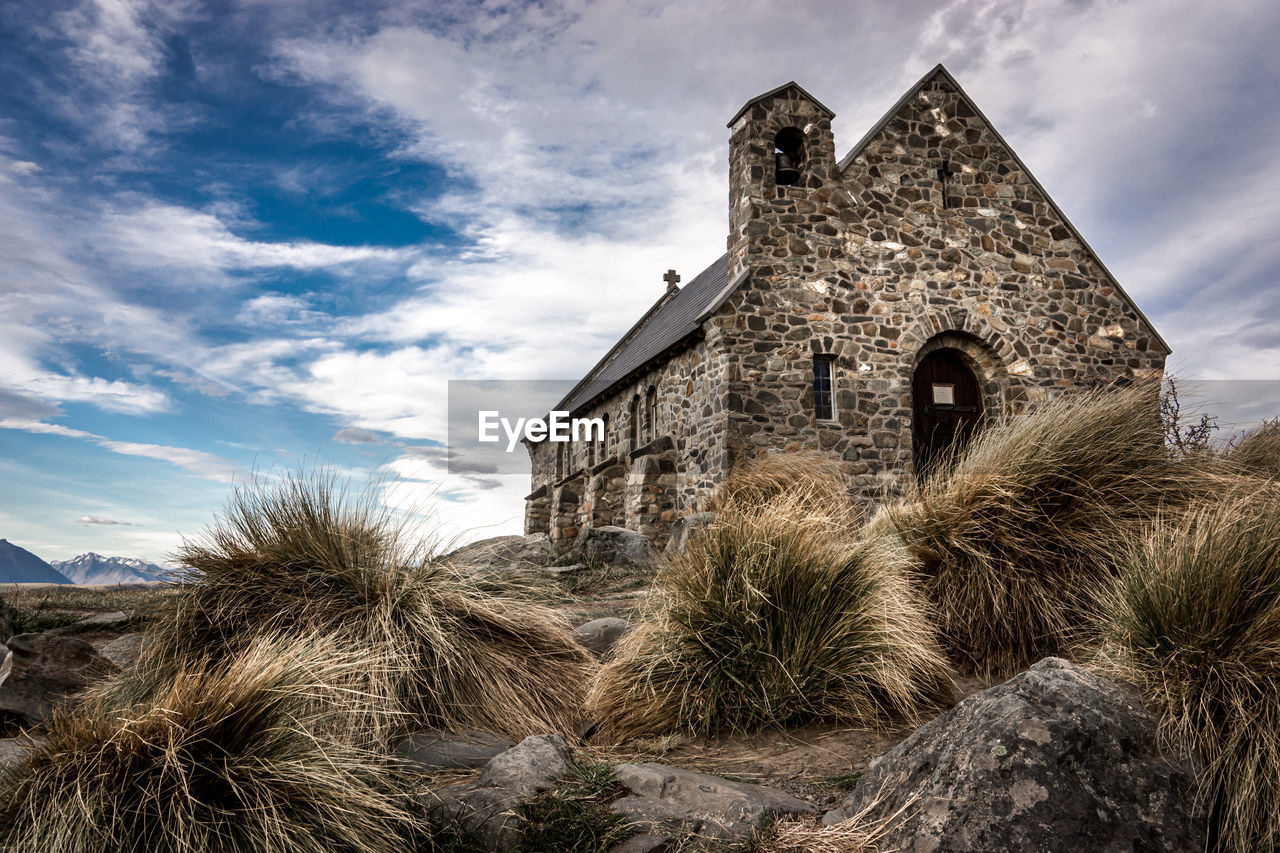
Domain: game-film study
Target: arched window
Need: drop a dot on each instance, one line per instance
(635, 421)
(604, 439)
(559, 462)
(788, 156)
(651, 413)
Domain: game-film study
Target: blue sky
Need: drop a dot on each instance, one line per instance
(241, 237)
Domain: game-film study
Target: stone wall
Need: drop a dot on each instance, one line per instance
(689, 390)
(932, 236)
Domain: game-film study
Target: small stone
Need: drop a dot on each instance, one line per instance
(531, 766)
(439, 749)
(599, 636)
(106, 620)
(720, 808)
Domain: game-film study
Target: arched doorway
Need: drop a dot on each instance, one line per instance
(946, 406)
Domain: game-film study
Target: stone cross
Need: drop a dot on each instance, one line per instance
(671, 279)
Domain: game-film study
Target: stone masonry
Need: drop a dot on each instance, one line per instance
(929, 235)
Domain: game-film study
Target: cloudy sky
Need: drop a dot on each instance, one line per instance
(240, 237)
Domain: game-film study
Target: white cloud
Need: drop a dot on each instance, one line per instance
(104, 522)
(202, 464)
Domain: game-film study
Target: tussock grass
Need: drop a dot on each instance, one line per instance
(303, 557)
(774, 614)
(1193, 619)
(806, 475)
(1016, 535)
(247, 753)
(1257, 453)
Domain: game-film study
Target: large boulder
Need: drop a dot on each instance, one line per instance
(1055, 759)
(599, 636)
(668, 801)
(506, 552)
(612, 546)
(124, 650)
(43, 670)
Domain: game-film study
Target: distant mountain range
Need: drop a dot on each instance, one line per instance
(18, 565)
(95, 568)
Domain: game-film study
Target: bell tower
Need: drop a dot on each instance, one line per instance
(780, 150)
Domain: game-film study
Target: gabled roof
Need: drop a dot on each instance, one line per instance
(769, 94)
(939, 69)
(669, 323)
(677, 316)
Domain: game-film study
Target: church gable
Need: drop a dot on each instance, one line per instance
(935, 175)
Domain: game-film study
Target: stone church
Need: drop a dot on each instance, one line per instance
(877, 307)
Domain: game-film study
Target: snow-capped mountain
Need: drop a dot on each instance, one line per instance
(18, 565)
(95, 568)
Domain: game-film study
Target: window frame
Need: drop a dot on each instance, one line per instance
(829, 360)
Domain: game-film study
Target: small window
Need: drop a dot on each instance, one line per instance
(635, 422)
(651, 413)
(823, 404)
(559, 462)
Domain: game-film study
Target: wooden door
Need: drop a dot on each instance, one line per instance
(946, 407)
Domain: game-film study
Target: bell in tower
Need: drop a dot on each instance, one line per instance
(788, 156)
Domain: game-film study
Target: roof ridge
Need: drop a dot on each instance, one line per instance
(769, 94)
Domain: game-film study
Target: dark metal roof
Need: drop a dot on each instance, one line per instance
(672, 319)
(1035, 182)
(772, 92)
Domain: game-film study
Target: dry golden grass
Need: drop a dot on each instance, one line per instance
(302, 557)
(774, 614)
(1257, 454)
(1015, 536)
(1194, 620)
(252, 752)
(807, 475)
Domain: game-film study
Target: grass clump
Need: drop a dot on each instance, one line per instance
(806, 475)
(574, 816)
(774, 614)
(1194, 620)
(1257, 453)
(246, 753)
(303, 557)
(1015, 535)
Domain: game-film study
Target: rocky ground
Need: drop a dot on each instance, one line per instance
(1053, 759)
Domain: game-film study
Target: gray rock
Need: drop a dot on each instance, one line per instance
(568, 570)
(712, 806)
(644, 842)
(1055, 759)
(486, 814)
(106, 620)
(14, 749)
(44, 670)
(123, 650)
(438, 749)
(600, 635)
(530, 766)
(612, 546)
(506, 552)
(686, 527)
